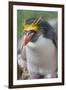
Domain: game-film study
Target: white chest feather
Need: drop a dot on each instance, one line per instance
(41, 55)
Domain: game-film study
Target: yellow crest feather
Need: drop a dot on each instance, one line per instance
(32, 26)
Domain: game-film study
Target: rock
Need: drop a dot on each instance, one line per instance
(22, 72)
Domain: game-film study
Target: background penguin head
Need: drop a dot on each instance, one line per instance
(31, 28)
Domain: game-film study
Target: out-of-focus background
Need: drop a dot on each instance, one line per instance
(22, 15)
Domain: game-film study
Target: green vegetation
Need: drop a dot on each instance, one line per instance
(22, 15)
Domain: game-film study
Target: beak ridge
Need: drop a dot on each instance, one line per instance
(26, 39)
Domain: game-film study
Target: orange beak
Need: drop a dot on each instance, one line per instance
(26, 39)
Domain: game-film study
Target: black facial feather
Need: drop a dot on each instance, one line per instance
(30, 20)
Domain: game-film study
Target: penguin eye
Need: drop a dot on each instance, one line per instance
(25, 32)
(28, 32)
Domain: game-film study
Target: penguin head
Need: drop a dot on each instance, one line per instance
(31, 28)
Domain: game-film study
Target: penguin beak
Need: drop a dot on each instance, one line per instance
(27, 37)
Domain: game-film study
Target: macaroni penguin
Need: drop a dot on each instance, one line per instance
(39, 48)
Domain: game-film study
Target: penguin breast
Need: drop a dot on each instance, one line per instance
(41, 55)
